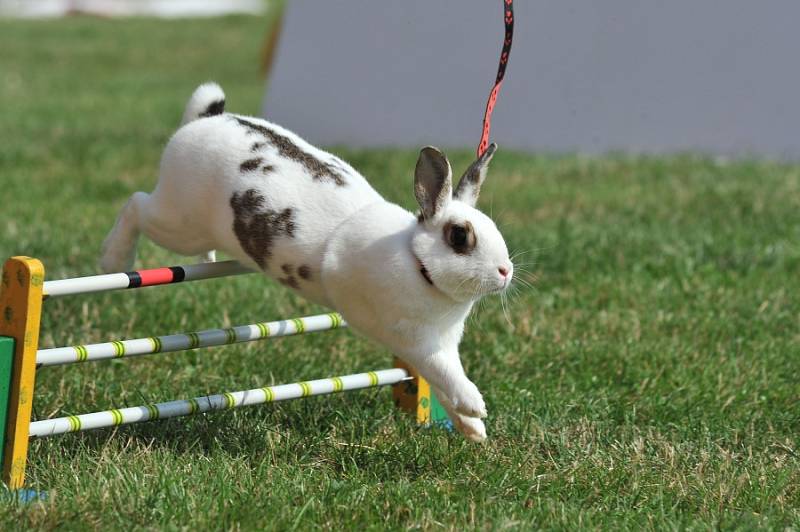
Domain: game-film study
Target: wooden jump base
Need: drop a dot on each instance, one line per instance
(24, 289)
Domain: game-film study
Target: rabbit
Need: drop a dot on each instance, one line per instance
(277, 204)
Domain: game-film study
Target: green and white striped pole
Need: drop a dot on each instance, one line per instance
(223, 401)
(180, 342)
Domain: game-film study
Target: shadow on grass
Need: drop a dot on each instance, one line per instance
(340, 434)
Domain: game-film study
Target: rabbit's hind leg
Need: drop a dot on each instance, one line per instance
(208, 256)
(119, 247)
(161, 223)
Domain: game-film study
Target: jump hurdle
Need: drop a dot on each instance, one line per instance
(22, 294)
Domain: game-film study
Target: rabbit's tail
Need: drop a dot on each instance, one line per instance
(207, 100)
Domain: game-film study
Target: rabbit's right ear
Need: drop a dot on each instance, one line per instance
(470, 184)
(432, 182)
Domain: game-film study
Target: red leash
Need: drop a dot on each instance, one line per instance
(508, 18)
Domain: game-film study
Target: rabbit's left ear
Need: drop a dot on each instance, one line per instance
(469, 187)
(432, 182)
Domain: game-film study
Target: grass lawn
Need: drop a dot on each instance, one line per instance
(649, 380)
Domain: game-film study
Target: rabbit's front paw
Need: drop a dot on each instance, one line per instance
(468, 401)
(471, 427)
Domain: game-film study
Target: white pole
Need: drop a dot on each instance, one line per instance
(137, 414)
(143, 278)
(180, 342)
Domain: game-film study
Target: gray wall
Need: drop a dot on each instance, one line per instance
(639, 75)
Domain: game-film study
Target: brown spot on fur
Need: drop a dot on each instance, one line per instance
(304, 272)
(320, 171)
(287, 268)
(461, 238)
(250, 164)
(290, 281)
(268, 169)
(257, 146)
(257, 226)
(341, 165)
(214, 108)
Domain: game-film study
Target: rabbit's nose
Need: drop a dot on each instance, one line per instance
(503, 271)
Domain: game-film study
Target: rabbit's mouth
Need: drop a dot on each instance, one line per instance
(502, 288)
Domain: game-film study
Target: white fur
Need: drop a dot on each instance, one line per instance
(203, 95)
(363, 252)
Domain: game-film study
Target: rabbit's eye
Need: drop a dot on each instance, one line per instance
(460, 237)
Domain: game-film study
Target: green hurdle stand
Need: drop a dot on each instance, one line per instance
(6, 365)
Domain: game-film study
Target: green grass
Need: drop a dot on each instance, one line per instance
(650, 380)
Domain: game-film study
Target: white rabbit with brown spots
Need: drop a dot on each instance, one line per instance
(267, 198)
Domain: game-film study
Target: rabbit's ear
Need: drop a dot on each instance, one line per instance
(432, 182)
(469, 187)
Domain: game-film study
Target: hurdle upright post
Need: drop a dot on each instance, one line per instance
(20, 316)
(416, 397)
(6, 368)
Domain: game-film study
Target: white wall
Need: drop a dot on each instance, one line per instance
(639, 75)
